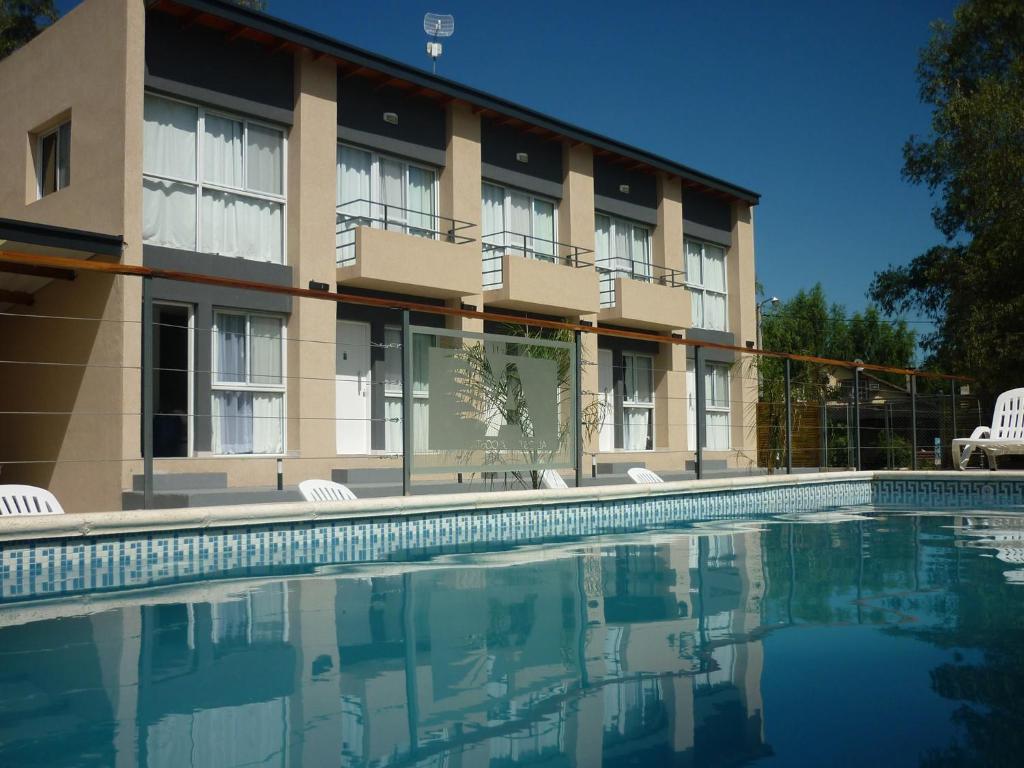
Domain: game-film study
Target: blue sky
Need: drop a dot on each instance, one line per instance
(808, 103)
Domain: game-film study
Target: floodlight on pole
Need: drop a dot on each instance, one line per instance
(437, 25)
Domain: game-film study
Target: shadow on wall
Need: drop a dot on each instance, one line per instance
(77, 456)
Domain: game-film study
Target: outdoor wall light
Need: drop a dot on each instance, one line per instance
(624, 189)
(391, 117)
(522, 157)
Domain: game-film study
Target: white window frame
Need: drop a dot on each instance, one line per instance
(199, 184)
(697, 285)
(395, 390)
(506, 205)
(57, 186)
(377, 193)
(614, 222)
(710, 405)
(636, 404)
(248, 386)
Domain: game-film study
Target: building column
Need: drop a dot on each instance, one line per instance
(668, 236)
(743, 323)
(669, 406)
(460, 195)
(312, 156)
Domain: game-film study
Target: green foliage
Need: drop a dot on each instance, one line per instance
(21, 20)
(972, 75)
(895, 449)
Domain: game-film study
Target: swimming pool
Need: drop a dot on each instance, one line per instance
(770, 626)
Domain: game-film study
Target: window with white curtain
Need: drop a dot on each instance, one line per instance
(637, 402)
(393, 389)
(375, 190)
(622, 249)
(54, 159)
(706, 280)
(212, 182)
(513, 221)
(248, 383)
(716, 406)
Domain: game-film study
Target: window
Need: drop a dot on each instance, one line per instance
(54, 159)
(716, 406)
(248, 384)
(379, 191)
(517, 222)
(637, 402)
(623, 249)
(705, 278)
(393, 389)
(212, 182)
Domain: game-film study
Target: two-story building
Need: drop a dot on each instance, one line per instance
(198, 136)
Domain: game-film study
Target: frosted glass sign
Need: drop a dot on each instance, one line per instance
(497, 403)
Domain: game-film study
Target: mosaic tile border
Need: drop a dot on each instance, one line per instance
(949, 493)
(64, 567)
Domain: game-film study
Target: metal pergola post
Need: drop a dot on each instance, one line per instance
(913, 421)
(789, 418)
(406, 404)
(578, 407)
(698, 376)
(147, 392)
(856, 417)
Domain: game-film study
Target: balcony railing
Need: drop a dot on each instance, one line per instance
(394, 218)
(497, 244)
(642, 271)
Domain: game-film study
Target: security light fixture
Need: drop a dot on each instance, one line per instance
(624, 189)
(522, 157)
(391, 117)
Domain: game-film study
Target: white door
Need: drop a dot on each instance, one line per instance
(606, 396)
(352, 387)
(691, 406)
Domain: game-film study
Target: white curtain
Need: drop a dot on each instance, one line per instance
(717, 431)
(392, 189)
(222, 151)
(268, 422)
(714, 312)
(492, 223)
(636, 428)
(518, 223)
(697, 307)
(544, 228)
(715, 283)
(169, 214)
(620, 247)
(169, 138)
(602, 258)
(641, 253)
(264, 157)
(232, 353)
(693, 258)
(716, 385)
(606, 396)
(232, 422)
(393, 425)
(353, 195)
(420, 201)
(265, 348)
(233, 225)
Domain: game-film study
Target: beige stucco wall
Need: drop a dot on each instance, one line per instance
(646, 306)
(311, 242)
(89, 67)
(743, 324)
(532, 285)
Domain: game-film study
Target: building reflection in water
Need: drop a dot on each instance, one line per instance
(648, 649)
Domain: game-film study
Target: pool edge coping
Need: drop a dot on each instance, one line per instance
(72, 526)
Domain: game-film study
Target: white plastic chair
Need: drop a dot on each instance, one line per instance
(1005, 436)
(643, 475)
(325, 490)
(28, 500)
(551, 479)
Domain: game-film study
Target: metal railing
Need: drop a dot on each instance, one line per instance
(393, 218)
(641, 271)
(498, 244)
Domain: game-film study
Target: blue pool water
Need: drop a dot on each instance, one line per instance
(852, 636)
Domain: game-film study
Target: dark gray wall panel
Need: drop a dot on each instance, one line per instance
(500, 143)
(204, 58)
(510, 178)
(707, 218)
(361, 106)
(608, 177)
(616, 207)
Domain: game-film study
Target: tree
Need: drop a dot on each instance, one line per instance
(21, 20)
(972, 286)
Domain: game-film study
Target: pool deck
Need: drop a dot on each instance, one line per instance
(40, 527)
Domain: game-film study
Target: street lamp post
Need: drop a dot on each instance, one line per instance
(774, 301)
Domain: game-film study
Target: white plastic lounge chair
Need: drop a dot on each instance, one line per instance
(551, 479)
(324, 490)
(28, 500)
(643, 475)
(1005, 436)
